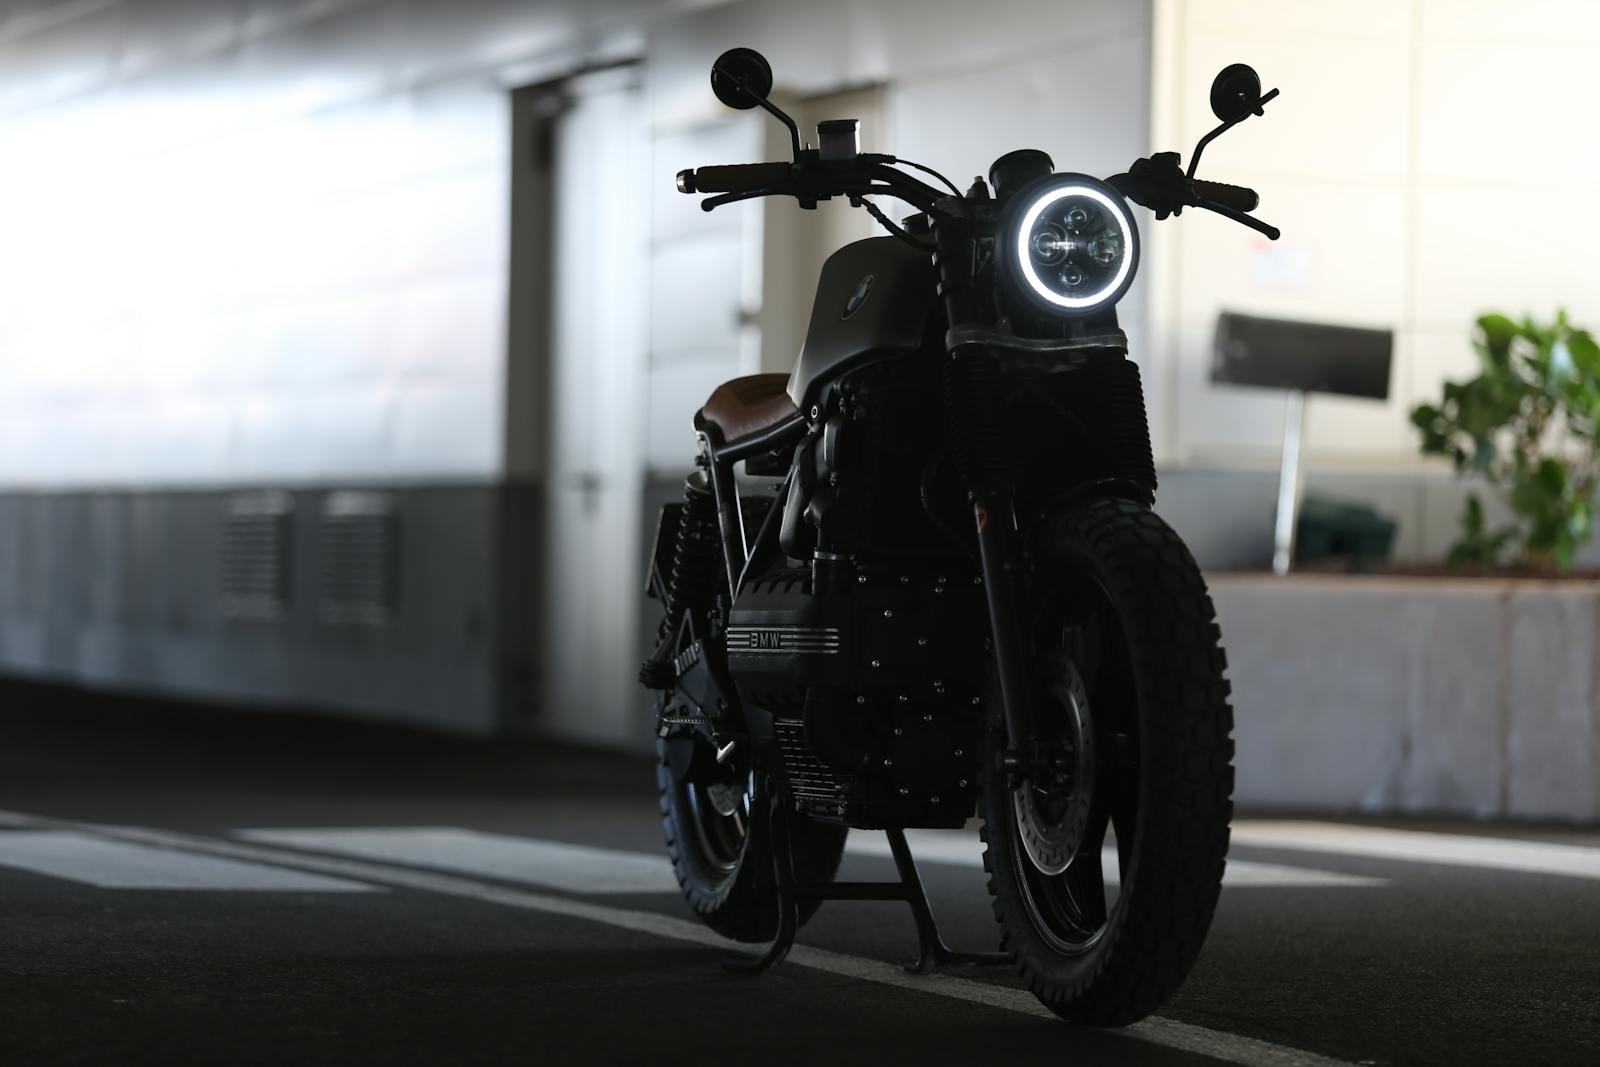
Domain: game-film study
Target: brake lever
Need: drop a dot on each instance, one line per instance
(711, 203)
(1272, 232)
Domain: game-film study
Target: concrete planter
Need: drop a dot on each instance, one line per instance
(1381, 694)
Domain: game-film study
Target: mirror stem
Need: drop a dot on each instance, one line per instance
(783, 117)
(1194, 160)
(771, 108)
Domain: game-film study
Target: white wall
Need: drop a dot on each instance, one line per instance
(264, 241)
(1428, 161)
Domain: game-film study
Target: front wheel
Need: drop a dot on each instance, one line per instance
(1106, 858)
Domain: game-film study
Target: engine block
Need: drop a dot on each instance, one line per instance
(870, 687)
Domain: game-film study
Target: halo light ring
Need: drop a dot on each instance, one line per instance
(1060, 187)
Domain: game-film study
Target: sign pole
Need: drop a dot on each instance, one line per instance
(1294, 425)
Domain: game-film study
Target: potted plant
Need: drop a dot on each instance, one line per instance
(1529, 425)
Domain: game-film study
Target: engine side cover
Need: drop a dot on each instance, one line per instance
(780, 637)
(887, 633)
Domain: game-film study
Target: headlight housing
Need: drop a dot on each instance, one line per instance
(1070, 244)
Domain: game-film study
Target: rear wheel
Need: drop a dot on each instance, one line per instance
(726, 876)
(1106, 859)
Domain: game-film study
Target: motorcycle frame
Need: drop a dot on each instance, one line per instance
(993, 506)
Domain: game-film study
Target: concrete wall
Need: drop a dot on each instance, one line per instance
(264, 245)
(402, 605)
(1383, 695)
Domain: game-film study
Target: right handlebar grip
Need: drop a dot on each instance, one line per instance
(1235, 196)
(738, 178)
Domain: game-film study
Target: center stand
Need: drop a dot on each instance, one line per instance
(773, 821)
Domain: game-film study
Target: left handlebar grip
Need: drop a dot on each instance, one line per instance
(1237, 197)
(735, 178)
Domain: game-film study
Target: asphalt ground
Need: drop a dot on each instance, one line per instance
(203, 886)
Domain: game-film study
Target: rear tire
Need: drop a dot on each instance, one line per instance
(1163, 777)
(726, 877)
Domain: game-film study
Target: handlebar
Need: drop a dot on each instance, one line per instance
(1158, 183)
(809, 179)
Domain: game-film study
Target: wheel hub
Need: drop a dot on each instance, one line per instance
(1052, 807)
(725, 796)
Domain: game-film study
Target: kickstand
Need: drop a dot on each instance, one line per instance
(770, 818)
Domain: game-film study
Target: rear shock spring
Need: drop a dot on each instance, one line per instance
(695, 558)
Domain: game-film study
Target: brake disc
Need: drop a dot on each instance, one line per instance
(1053, 817)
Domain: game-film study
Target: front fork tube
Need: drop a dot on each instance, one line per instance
(997, 537)
(975, 409)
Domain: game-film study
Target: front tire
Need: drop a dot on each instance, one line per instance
(1123, 625)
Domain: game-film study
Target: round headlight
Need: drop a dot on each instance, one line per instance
(1073, 244)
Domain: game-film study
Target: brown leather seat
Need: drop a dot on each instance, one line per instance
(748, 405)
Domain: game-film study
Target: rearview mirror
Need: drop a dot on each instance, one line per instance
(742, 78)
(1235, 93)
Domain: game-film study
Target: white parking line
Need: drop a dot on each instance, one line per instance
(93, 860)
(1168, 1033)
(1415, 846)
(550, 864)
(965, 850)
(584, 869)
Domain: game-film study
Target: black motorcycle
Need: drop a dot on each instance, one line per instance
(958, 596)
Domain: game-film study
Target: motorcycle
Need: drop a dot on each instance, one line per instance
(958, 600)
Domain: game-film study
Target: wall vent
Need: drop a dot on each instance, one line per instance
(256, 534)
(359, 548)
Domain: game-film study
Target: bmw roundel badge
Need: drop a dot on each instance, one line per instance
(858, 296)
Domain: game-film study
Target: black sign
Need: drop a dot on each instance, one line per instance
(1305, 356)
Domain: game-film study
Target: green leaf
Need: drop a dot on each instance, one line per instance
(1552, 477)
(1495, 334)
(1585, 353)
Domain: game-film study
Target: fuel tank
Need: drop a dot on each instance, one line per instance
(873, 301)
